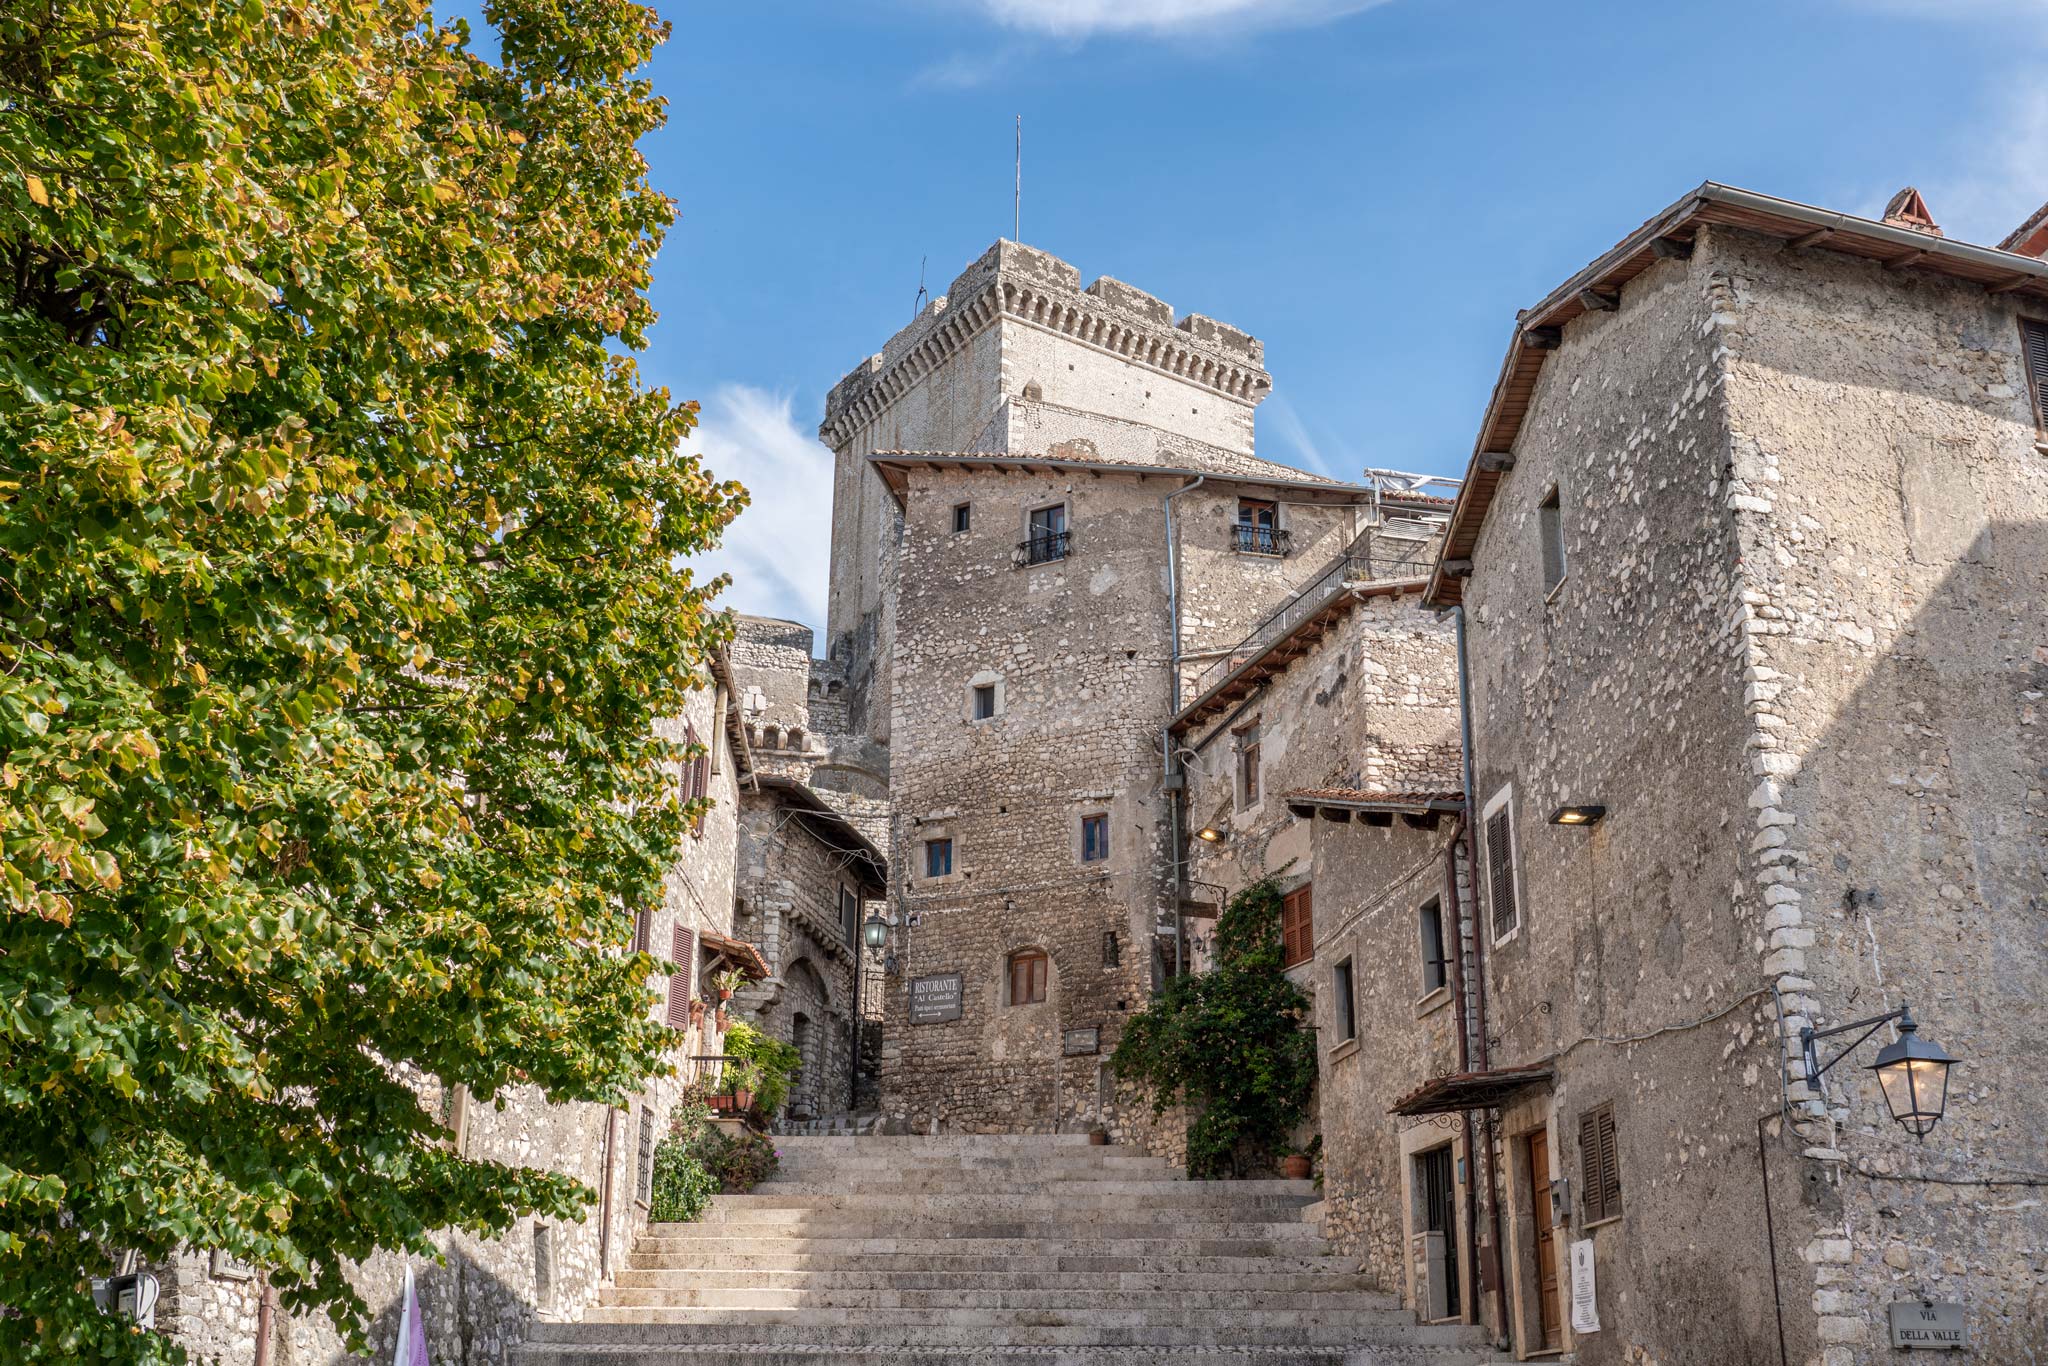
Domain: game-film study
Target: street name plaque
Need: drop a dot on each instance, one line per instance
(935, 999)
(1935, 1325)
(1080, 1042)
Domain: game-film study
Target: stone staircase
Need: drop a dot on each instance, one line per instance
(985, 1248)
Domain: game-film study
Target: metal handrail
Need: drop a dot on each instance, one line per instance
(1250, 539)
(1044, 548)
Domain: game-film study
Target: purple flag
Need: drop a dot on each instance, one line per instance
(412, 1329)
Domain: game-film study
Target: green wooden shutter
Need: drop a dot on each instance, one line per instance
(2034, 346)
(1599, 1164)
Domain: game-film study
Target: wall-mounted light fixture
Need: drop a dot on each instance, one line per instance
(1578, 814)
(1209, 834)
(1913, 1072)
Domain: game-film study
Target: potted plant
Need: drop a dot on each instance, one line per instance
(727, 982)
(1098, 1137)
(738, 1083)
(1297, 1165)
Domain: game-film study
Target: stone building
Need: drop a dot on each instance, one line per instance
(1049, 527)
(1753, 560)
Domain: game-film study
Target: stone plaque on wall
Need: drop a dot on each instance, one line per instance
(936, 998)
(1929, 1324)
(1078, 1042)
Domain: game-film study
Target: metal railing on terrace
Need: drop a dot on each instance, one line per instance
(1044, 547)
(1374, 557)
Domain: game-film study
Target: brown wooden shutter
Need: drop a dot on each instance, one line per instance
(1297, 926)
(683, 953)
(1500, 873)
(643, 931)
(1599, 1164)
(2034, 345)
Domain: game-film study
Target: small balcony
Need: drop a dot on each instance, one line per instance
(1044, 547)
(1248, 539)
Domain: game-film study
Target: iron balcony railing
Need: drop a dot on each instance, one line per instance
(1044, 547)
(1258, 540)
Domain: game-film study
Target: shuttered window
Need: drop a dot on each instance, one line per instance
(643, 931)
(1500, 871)
(684, 954)
(1599, 1164)
(1297, 926)
(696, 777)
(2034, 342)
(1028, 971)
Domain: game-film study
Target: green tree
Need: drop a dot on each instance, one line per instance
(1232, 1043)
(338, 598)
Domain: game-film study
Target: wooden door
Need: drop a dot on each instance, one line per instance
(1547, 1318)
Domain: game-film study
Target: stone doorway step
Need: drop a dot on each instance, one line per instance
(992, 1248)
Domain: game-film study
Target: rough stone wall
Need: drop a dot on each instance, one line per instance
(489, 1292)
(1892, 507)
(1624, 687)
(1077, 650)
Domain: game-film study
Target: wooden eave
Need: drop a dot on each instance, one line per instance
(737, 952)
(1461, 1091)
(1252, 675)
(895, 467)
(831, 828)
(1801, 226)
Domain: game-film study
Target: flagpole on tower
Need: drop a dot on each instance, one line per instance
(1017, 204)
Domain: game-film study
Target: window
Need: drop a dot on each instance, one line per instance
(984, 701)
(696, 777)
(1501, 891)
(2034, 345)
(1343, 1001)
(643, 930)
(1434, 965)
(1046, 537)
(963, 518)
(1258, 528)
(1094, 839)
(682, 950)
(1297, 926)
(643, 1173)
(1248, 765)
(1027, 977)
(849, 914)
(1599, 1164)
(938, 858)
(1550, 520)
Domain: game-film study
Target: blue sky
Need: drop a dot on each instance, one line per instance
(1372, 189)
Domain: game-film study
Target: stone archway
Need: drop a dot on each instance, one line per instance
(809, 1002)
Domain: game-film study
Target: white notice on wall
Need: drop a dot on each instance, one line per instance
(1585, 1313)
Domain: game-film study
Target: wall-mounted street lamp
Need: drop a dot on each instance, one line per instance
(1209, 834)
(1913, 1072)
(874, 932)
(1580, 814)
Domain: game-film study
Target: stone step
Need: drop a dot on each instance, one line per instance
(568, 1354)
(1322, 1278)
(774, 1207)
(1165, 1311)
(934, 1329)
(1175, 1261)
(944, 1143)
(1096, 1297)
(866, 1195)
(1215, 1240)
(1046, 1160)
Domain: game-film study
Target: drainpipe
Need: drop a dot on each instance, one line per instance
(266, 1313)
(1480, 1058)
(1464, 1065)
(1174, 796)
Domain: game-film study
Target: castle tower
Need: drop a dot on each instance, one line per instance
(1016, 357)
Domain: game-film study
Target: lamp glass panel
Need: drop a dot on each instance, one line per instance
(1916, 1089)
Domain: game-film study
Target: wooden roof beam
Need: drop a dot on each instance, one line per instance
(1599, 300)
(1809, 239)
(1911, 258)
(1671, 248)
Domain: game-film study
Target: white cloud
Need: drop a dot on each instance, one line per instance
(779, 550)
(1080, 18)
(2004, 178)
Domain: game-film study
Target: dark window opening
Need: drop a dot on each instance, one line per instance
(963, 518)
(849, 914)
(1248, 765)
(1094, 838)
(1550, 516)
(1297, 926)
(1435, 1173)
(1046, 537)
(1257, 531)
(938, 858)
(984, 701)
(1028, 972)
(1345, 1001)
(1435, 967)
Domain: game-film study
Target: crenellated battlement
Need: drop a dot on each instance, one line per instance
(1021, 285)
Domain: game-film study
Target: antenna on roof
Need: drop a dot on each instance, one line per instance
(922, 293)
(1017, 204)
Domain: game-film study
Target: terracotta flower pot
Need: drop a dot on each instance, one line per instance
(725, 993)
(1297, 1167)
(1098, 1138)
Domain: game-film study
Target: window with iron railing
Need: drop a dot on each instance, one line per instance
(1259, 540)
(1046, 537)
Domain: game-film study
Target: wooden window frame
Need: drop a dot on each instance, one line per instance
(1599, 1165)
(2034, 360)
(849, 913)
(1096, 820)
(1498, 827)
(1344, 998)
(1037, 969)
(930, 846)
(1298, 926)
(1249, 739)
(1430, 911)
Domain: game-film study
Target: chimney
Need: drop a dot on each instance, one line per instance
(2031, 237)
(1909, 210)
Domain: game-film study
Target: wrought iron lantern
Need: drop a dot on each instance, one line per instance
(1912, 1072)
(874, 931)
